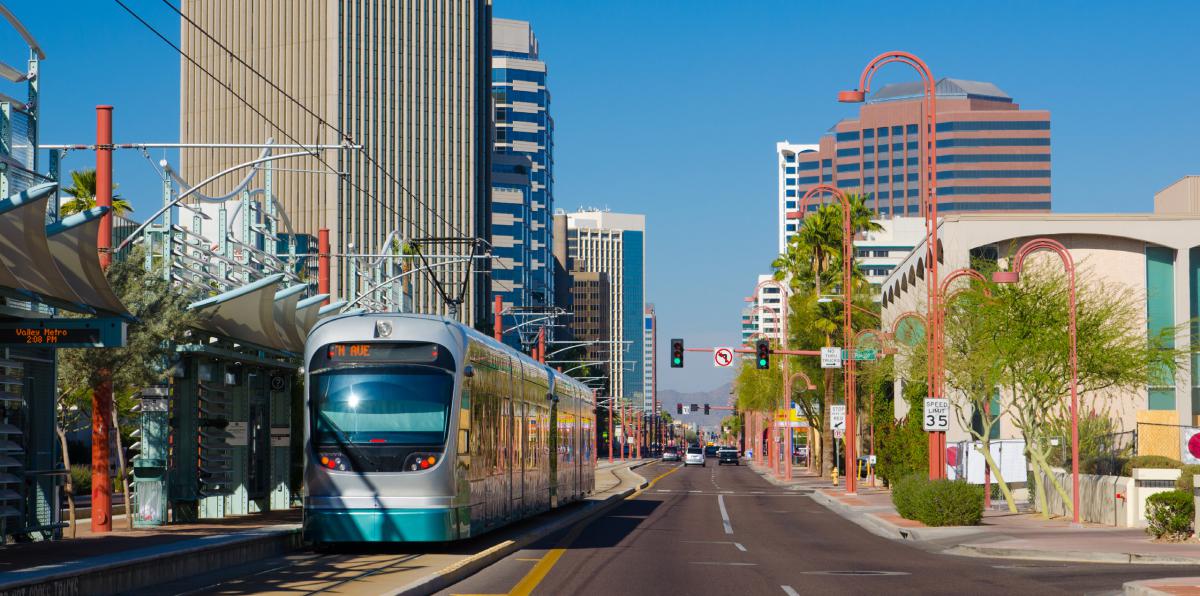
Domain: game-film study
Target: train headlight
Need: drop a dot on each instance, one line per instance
(421, 461)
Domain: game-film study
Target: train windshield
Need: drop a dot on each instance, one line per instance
(389, 405)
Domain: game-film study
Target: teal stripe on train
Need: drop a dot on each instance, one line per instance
(376, 525)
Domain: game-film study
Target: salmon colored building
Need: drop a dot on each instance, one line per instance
(992, 156)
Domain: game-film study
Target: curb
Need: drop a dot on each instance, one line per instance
(469, 566)
(118, 575)
(1145, 587)
(868, 522)
(1067, 556)
(884, 529)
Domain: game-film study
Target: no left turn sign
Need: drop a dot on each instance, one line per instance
(722, 357)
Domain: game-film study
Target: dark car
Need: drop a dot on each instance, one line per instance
(670, 454)
(711, 451)
(728, 455)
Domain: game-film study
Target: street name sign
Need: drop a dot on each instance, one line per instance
(861, 354)
(937, 414)
(831, 357)
(722, 357)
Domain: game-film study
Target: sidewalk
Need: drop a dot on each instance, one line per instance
(125, 560)
(1000, 535)
(1005, 535)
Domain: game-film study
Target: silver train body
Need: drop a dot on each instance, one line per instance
(420, 429)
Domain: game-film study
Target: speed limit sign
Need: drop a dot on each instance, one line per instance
(937, 414)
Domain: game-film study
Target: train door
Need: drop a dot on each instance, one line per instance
(520, 446)
(506, 449)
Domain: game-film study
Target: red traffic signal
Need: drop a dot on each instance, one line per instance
(706, 412)
(678, 408)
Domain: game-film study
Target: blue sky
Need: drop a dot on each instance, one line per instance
(672, 108)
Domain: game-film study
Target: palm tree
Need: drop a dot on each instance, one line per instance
(83, 195)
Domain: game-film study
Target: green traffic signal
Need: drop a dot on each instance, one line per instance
(762, 363)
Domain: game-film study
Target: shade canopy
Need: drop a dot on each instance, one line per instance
(56, 264)
(264, 315)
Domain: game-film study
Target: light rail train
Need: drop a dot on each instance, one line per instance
(421, 429)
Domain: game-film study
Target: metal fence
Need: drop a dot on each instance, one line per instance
(1175, 441)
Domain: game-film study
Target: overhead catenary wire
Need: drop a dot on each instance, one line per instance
(321, 120)
(314, 153)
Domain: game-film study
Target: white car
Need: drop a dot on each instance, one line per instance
(694, 457)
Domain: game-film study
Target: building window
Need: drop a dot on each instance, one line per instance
(847, 152)
(994, 125)
(789, 158)
(789, 170)
(993, 142)
(849, 135)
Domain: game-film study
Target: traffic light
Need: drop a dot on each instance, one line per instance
(706, 409)
(678, 408)
(762, 349)
(677, 353)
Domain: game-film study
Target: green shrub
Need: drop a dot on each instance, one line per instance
(1170, 514)
(1149, 461)
(1185, 478)
(81, 479)
(907, 495)
(951, 503)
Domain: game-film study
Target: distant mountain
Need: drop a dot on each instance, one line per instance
(719, 396)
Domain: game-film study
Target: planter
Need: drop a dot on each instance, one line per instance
(1149, 481)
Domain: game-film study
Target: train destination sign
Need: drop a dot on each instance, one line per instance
(63, 333)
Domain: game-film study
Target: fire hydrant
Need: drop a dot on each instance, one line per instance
(834, 473)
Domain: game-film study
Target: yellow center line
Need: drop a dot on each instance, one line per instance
(535, 576)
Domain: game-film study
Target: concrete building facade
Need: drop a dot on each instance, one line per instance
(1155, 256)
(409, 81)
(649, 365)
(765, 322)
(614, 244)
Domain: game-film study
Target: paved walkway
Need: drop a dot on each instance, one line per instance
(59, 559)
(1006, 535)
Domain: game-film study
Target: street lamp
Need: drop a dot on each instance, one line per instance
(934, 372)
(784, 310)
(1013, 276)
(847, 330)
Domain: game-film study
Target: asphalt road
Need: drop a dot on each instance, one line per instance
(725, 530)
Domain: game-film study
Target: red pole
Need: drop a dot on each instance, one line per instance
(102, 400)
(323, 262)
(499, 324)
(104, 181)
(541, 347)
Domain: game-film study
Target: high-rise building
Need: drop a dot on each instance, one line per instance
(614, 244)
(523, 274)
(785, 155)
(589, 323)
(765, 322)
(409, 81)
(650, 366)
(992, 156)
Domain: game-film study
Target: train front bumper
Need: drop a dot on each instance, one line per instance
(380, 525)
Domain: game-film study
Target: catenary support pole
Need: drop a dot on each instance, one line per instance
(323, 262)
(102, 399)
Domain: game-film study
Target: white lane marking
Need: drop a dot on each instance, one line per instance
(739, 546)
(724, 514)
(664, 490)
(693, 491)
(790, 591)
